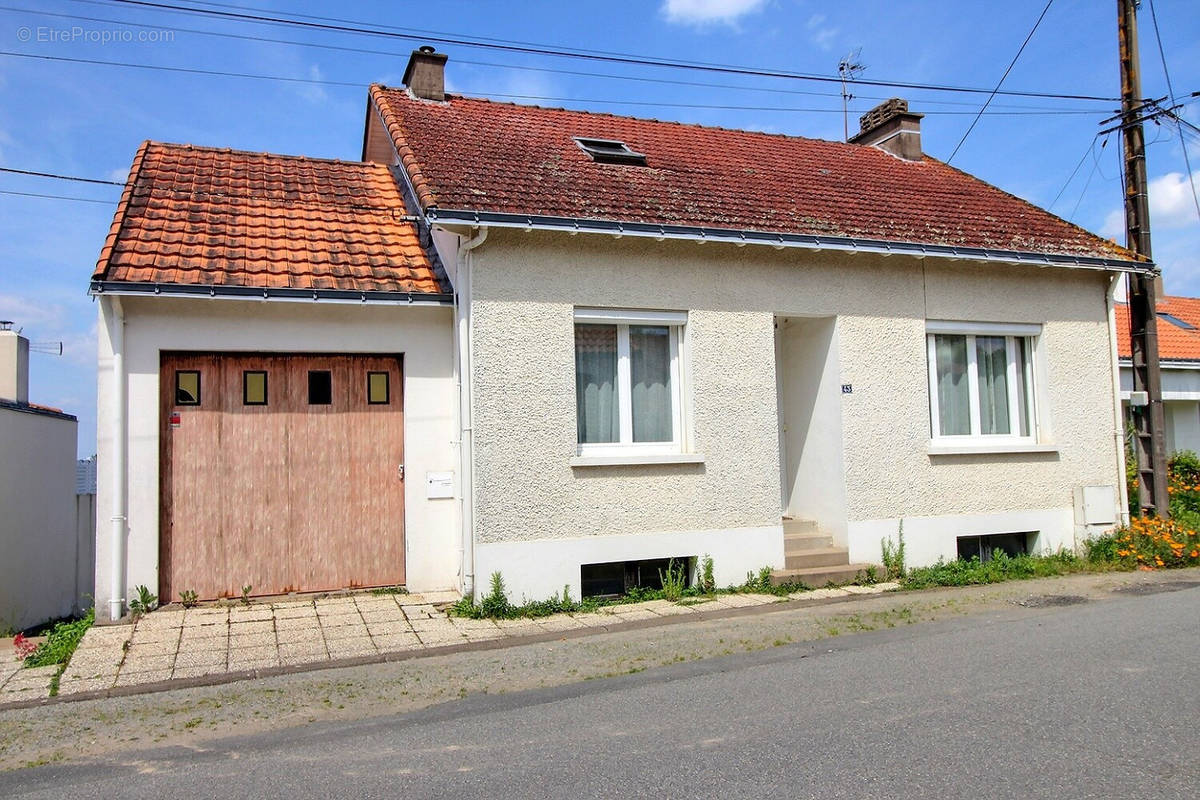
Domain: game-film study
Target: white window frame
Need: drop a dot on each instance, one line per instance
(1033, 380)
(676, 322)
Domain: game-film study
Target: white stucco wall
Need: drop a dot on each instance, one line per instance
(423, 335)
(37, 518)
(525, 286)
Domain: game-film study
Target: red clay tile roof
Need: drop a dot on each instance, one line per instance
(197, 215)
(1174, 343)
(479, 155)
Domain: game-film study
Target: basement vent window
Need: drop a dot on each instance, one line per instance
(618, 578)
(986, 547)
(1176, 321)
(610, 151)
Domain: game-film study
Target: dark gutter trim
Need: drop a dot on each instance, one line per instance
(41, 412)
(779, 240)
(275, 293)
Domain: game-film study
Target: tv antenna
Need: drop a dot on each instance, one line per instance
(49, 348)
(849, 68)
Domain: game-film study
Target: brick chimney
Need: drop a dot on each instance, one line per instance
(14, 365)
(425, 75)
(892, 127)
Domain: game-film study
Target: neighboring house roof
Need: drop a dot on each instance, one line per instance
(198, 216)
(478, 155)
(1175, 341)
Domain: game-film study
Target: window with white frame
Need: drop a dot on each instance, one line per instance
(627, 381)
(982, 381)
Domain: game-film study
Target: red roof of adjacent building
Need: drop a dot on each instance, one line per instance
(485, 156)
(197, 215)
(1175, 342)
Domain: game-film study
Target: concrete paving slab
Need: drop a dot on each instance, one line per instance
(147, 635)
(420, 612)
(295, 612)
(198, 672)
(147, 663)
(558, 622)
(247, 627)
(380, 628)
(241, 642)
(359, 631)
(250, 613)
(145, 676)
(85, 684)
(440, 637)
(396, 641)
(153, 647)
(432, 624)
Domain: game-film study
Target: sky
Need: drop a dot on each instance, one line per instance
(87, 119)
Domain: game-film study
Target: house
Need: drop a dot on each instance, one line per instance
(568, 347)
(1179, 357)
(46, 568)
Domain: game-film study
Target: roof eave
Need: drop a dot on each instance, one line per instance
(781, 240)
(344, 296)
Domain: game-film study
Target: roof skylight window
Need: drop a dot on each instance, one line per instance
(1176, 321)
(610, 151)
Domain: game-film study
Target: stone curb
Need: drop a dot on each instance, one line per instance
(216, 679)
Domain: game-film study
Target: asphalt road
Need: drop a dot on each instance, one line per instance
(1098, 699)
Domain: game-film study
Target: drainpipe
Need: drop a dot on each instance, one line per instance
(120, 473)
(1118, 418)
(462, 303)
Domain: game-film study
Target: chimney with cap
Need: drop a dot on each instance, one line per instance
(892, 127)
(14, 365)
(425, 75)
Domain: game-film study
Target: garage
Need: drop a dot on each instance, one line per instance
(280, 472)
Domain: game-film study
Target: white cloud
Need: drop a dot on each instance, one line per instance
(705, 12)
(1114, 226)
(314, 92)
(1172, 204)
(821, 34)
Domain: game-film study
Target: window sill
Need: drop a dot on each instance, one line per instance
(637, 458)
(973, 448)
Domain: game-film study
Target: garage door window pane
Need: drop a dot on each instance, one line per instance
(378, 391)
(320, 387)
(187, 387)
(254, 388)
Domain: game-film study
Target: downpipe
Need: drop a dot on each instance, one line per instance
(466, 414)
(120, 472)
(1118, 417)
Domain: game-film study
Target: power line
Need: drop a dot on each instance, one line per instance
(598, 101)
(1171, 92)
(56, 176)
(361, 29)
(522, 67)
(1000, 83)
(57, 197)
(1088, 182)
(1071, 177)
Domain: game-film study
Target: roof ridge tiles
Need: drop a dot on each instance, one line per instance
(451, 96)
(199, 148)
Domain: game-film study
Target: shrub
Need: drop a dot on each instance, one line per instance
(61, 643)
(495, 604)
(1152, 542)
(1183, 484)
(708, 583)
(673, 580)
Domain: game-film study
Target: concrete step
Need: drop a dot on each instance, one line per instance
(802, 542)
(791, 525)
(820, 577)
(818, 557)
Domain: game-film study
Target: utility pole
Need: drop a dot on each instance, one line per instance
(1150, 445)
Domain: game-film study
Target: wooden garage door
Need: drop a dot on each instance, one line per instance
(280, 472)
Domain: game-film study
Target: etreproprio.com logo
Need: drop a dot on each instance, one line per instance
(77, 34)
